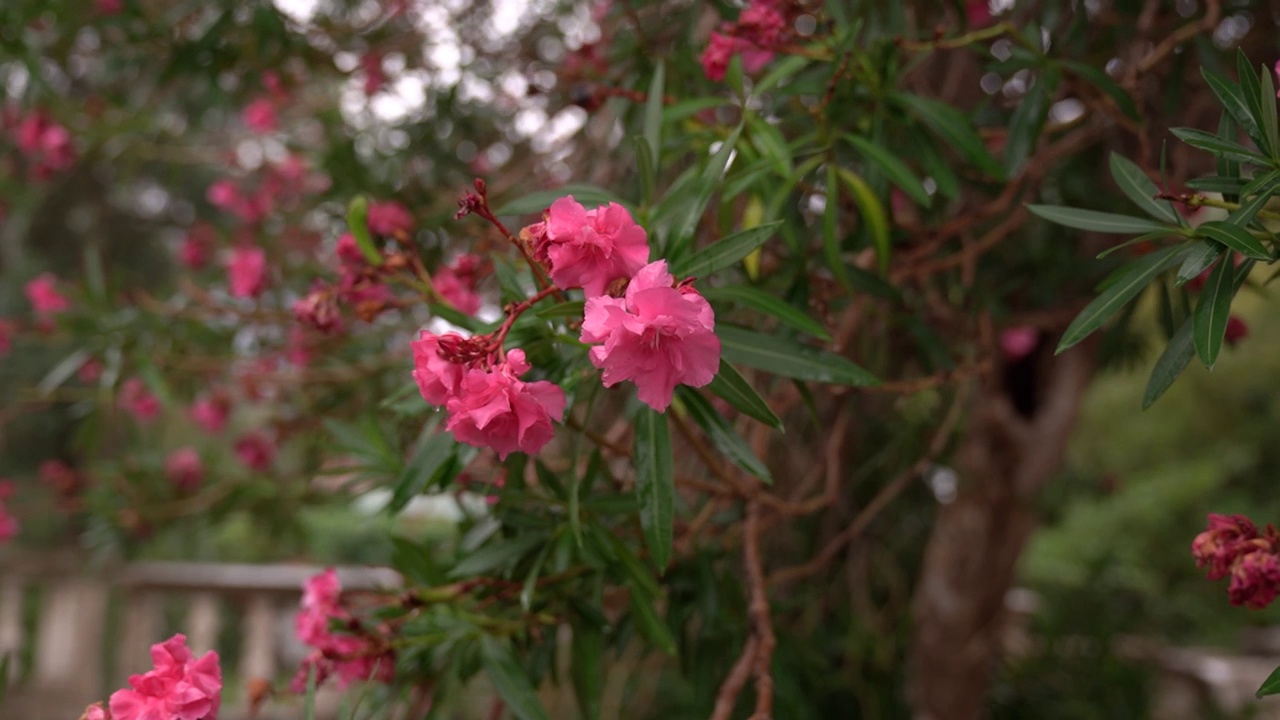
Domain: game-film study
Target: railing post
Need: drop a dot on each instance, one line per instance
(203, 622)
(259, 647)
(142, 626)
(11, 622)
(68, 651)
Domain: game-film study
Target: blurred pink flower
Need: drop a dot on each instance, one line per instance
(1218, 546)
(247, 271)
(658, 336)
(46, 144)
(109, 7)
(180, 687)
(260, 116)
(90, 371)
(1018, 342)
(1237, 330)
(385, 218)
(42, 292)
(590, 249)
(716, 56)
(438, 378)
(456, 283)
(374, 77)
(495, 408)
(977, 13)
(9, 525)
(1255, 579)
(183, 468)
(210, 412)
(255, 451)
(7, 330)
(138, 401)
(354, 657)
(349, 252)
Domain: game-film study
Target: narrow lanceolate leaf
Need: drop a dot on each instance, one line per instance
(1249, 90)
(767, 304)
(358, 224)
(789, 358)
(1234, 237)
(586, 668)
(1217, 145)
(1200, 259)
(433, 453)
(1270, 128)
(730, 386)
(650, 624)
(510, 680)
(1175, 358)
(832, 240)
(893, 168)
(954, 128)
(1103, 82)
(1118, 294)
(1212, 311)
(589, 195)
(1234, 101)
(1025, 125)
(873, 216)
(1094, 221)
(653, 114)
(722, 435)
(644, 164)
(655, 484)
(1253, 197)
(1270, 686)
(1138, 187)
(725, 252)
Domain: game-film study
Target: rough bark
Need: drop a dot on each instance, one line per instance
(1004, 460)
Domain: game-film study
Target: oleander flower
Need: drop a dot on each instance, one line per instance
(590, 249)
(183, 468)
(385, 218)
(180, 687)
(495, 408)
(46, 300)
(247, 271)
(657, 336)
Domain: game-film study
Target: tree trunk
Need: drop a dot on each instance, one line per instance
(1004, 460)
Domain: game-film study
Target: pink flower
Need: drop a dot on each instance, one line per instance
(1236, 331)
(1255, 580)
(9, 525)
(1220, 544)
(90, 371)
(255, 451)
(46, 301)
(95, 712)
(494, 408)
(247, 271)
(762, 25)
(179, 688)
(210, 412)
(196, 247)
(184, 469)
(658, 336)
(223, 194)
(591, 248)
(456, 283)
(46, 144)
(320, 595)
(1276, 70)
(260, 116)
(374, 77)
(438, 378)
(977, 13)
(7, 330)
(716, 56)
(318, 309)
(1018, 342)
(110, 7)
(353, 657)
(349, 253)
(385, 218)
(138, 401)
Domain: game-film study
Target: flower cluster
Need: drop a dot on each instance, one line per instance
(180, 687)
(46, 145)
(590, 249)
(355, 656)
(761, 30)
(138, 401)
(1232, 547)
(183, 468)
(45, 298)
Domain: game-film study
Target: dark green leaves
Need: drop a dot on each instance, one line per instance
(724, 253)
(893, 168)
(655, 484)
(588, 195)
(730, 386)
(1212, 311)
(1138, 187)
(1175, 358)
(1198, 260)
(954, 128)
(1094, 221)
(429, 462)
(653, 114)
(872, 212)
(1126, 286)
(788, 358)
(1217, 145)
(1270, 686)
(510, 679)
(1236, 238)
(1025, 124)
(767, 304)
(721, 434)
(358, 223)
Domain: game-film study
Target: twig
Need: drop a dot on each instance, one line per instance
(727, 697)
(761, 624)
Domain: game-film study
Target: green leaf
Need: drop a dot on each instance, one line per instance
(1270, 686)
(782, 70)
(510, 680)
(894, 169)
(358, 224)
(496, 555)
(954, 128)
(767, 304)
(587, 668)
(1094, 221)
(1103, 82)
(1025, 125)
(1234, 237)
(531, 579)
(1218, 184)
(1199, 260)
(725, 252)
(309, 700)
(651, 626)
(788, 358)
(1135, 184)
(1234, 101)
(687, 219)
(435, 451)
(771, 144)
(729, 385)
(1127, 286)
(1249, 89)
(1267, 97)
(722, 435)
(644, 163)
(873, 216)
(832, 240)
(568, 308)
(62, 372)
(655, 484)
(1175, 358)
(1212, 312)
(1217, 145)
(589, 195)
(653, 114)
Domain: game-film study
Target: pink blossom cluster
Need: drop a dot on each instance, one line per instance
(45, 298)
(1232, 547)
(760, 31)
(9, 525)
(47, 145)
(456, 282)
(360, 286)
(281, 185)
(374, 76)
(210, 412)
(184, 469)
(256, 450)
(388, 218)
(353, 656)
(138, 401)
(180, 687)
(590, 249)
